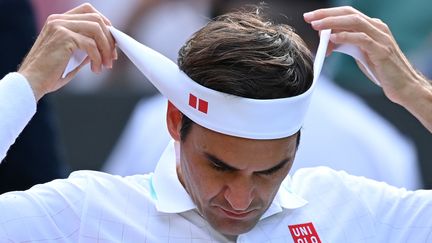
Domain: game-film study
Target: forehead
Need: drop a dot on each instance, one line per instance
(240, 151)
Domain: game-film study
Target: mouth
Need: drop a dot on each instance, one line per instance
(238, 215)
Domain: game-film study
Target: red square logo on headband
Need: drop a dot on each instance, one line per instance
(198, 104)
(202, 106)
(193, 101)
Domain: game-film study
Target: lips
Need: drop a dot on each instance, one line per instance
(236, 215)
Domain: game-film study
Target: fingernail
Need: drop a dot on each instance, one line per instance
(115, 55)
(308, 15)
(316, 23)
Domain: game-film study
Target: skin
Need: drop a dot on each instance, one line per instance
(231, 180)
(400, 82)
(81, 28)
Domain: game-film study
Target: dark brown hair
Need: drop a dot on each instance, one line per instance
(243, 54)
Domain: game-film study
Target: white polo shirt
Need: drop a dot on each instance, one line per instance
(316, 205)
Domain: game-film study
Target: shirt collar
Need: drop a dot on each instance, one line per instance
(285, 198)
(171, 197)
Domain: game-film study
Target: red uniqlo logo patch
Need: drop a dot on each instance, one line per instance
(304, 233)
(199, 104)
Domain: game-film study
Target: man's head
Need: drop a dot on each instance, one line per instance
(233, 180)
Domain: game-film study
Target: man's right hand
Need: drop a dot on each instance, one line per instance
(81, 28)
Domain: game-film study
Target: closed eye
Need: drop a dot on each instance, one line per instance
(274, 169)
(219, 165)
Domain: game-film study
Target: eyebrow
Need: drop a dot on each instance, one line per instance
(223, 164)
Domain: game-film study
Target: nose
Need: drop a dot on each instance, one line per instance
(239, 193)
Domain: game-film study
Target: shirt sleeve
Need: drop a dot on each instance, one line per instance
(17, 107)
(400, 215)
(48, 212)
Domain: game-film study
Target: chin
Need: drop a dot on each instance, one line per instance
(230, 227)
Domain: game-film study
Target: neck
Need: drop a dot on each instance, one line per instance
(232, 238)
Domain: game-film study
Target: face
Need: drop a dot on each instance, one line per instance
(233, 180)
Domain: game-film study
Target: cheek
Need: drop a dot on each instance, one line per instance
(265, 188)
(202, 181)
(268, 186)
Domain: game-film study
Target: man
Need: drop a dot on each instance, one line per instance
(223, 188)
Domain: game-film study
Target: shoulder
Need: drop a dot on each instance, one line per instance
(320, 174)
(116, 184)
(102, 176)
(84, 184)
(328, 182)
(321, 180)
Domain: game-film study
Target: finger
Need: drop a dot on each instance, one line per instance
(93, 17)
(345, 10)
(378, 23)
(88, 8)
(115, 54)
(92, 30)
(328, 12)
(90, 47)
(352, 23)
(375, 51)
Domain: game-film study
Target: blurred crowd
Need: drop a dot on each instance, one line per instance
(116, 121)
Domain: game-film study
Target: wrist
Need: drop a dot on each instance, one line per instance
(36, 86)
(408, 93)
(416, 93)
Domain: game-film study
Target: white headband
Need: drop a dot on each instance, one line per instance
(217, 111)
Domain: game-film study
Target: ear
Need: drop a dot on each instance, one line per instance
(174, 118)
